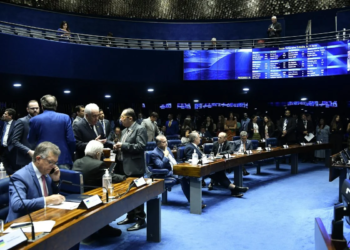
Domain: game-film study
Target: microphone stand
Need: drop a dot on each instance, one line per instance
(30, 217)
(77, 185)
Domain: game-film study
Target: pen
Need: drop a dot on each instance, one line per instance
(21, 225)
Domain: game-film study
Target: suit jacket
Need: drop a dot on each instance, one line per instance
(301, 128)
(237, 145)
(83, 134)
(107, 126)
(226, 148)
(189, 149)
(78, 118)
(251, 129)
(152, 128)
(29, 189)
(56, 128)
(173, 129)
(93, 171)
(291, 127)
(159, 161)
(9, 138)
(133, 150)
(270, 131)
(278, 27)
(112, 136)
(19, 142)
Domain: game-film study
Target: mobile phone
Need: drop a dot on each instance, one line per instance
(52, 171)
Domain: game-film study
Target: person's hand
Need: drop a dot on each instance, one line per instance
(166, 153)
(54, 199)
(55, 176)
(103, 141)
(118, 145)
(31, 153)
(284, 132)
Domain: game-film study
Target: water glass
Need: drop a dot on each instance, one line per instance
(1, 226)
(212, 155)
(175, 147)
(269, 145)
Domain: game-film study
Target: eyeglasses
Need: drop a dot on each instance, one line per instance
(50, 162)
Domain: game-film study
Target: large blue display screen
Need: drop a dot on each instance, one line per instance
(323, 59)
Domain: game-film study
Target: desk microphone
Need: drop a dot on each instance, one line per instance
(82, 185)
(30, 217)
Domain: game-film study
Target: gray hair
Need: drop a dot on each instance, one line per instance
(223, 134)
(192, 136)
(49, 102)
(274, 17)
(158, 138)
(93, 147)
(90, 107)
(243, 133)
(44, 149)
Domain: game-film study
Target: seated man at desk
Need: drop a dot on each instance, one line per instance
(222, 147)
(37, 183)
(242, 146)
(162, 157)
(93, 169)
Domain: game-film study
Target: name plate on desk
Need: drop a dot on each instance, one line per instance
(268, 149)
(285, 146)
(302, 143)
(90, 202)
(12, 239)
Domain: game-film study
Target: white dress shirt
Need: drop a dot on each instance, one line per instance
(6, 134)
(38, 175)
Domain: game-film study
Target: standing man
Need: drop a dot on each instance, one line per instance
(172, 126)
(106, 125)
(7, 158)
(244, 122)
(287, 128)
(274, 31)
(151, 125)
(131, 162)
(53, 127)
(89, 129)
(22, 148)
(79, 110)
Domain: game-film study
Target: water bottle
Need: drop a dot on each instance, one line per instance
(194, 157)
(2, 171)
(106, 182)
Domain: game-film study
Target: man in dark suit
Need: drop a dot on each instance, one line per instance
(93, 170)
(172, 126)
(223, 147)
(53, 127)
(130, 155)
(287, 127)
(192, 146)
(304, 128)
(242, 146)
(6, 131)
(35, 183)
(274, 32)
(89, 129)
(19, 145)
(106, 125)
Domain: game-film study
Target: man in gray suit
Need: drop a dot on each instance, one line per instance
(79, 110)
(243, 144)
(106, 125)
(19, 143)
(151, 125)
(130, 155)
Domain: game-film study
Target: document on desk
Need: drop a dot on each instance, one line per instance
(39, 226)
(309, 136)
(66, 205)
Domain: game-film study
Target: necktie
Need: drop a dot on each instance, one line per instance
(44, 185)
(92, 127)
(103, 126)
(169, 124)
(244, 147)
(220, 148)
(305, 124)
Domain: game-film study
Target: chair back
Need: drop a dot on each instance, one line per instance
(207, 148)
(271, 141)
(172, 137)
(148, 168)
(172, 143)
(180, 154)
(215, 139)
(76, 178)
(255, 144)
(150, 145)
(235, 138)
(4, 198)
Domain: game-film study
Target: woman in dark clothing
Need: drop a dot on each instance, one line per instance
(268, 128)
(336, 137)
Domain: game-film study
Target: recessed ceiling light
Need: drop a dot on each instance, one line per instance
(256, 108)
(66, 91)
(245, 89)
(303, 99)
(17, 85)
(108, 96)
(150, 90)
(195, 100)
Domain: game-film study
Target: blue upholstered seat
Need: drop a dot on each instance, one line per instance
(236, 137)
(207, 147)
(4, 198)
(73, 176)
(181, 154)
(172, 143)
(150, 145)
(172, 137)
(215, 139)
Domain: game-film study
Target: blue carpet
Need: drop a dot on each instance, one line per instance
(278, 212)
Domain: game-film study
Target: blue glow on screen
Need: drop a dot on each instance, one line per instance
(325, 104)
(322, 59)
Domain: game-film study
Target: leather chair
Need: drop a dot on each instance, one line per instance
(4, 198)
(207, 147)
(236, 137)
(181, 154)
(172, 137)
(162, 173)
(273, 142)
(151, 145)
(76, 178)
(172, 143)
(215, 139)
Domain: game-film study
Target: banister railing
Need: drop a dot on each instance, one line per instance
(133, 43)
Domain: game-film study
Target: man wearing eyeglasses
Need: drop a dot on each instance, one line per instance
(19, 145)
(37, 183)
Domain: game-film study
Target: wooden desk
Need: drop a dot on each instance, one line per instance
(72, 226)
(195, 173)
(109, 161)
(324, 241)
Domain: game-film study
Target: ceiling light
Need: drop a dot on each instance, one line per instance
(150, 90)
(195, 100)
(66, 91)
(108, 96)
(303, 99)
(17, 85)
(245, 89)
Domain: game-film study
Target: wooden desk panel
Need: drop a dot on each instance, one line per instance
(72, 226)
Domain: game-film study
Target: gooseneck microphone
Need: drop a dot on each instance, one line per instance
(89, 186)
(30, 217)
